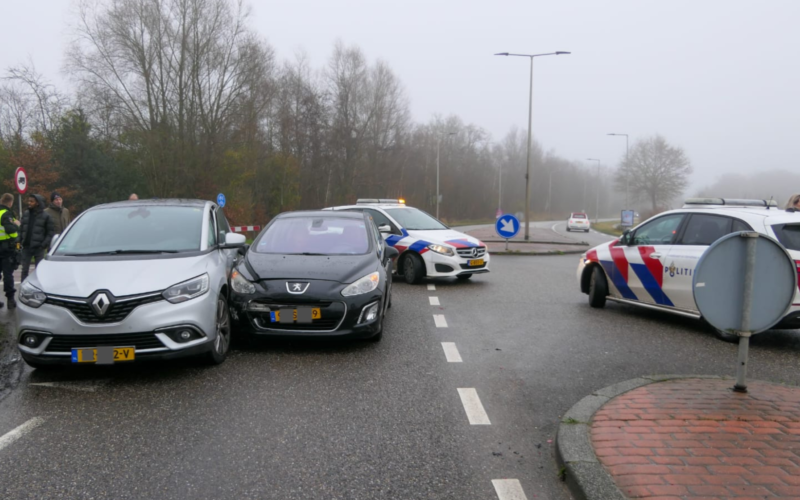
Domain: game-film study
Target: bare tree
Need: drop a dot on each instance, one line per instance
(658, 172)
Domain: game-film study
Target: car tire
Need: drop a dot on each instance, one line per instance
(598, 288)
(413, 268)
(464, 277)
(222, 341)
(568, 229)
(587, 230)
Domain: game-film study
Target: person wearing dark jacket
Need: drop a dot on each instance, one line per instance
(9, 226)
(58, 213)
(35, 233)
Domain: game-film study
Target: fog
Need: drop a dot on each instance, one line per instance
(716, 78)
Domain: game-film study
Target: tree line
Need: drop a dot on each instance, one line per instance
(181, 98)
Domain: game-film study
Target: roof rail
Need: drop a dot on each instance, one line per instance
(731, 202)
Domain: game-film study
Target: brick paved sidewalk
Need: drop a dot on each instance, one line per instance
(696, 439)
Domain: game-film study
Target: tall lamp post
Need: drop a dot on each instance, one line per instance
(439, 143)
(597, 199)
(627, 177)
(530, 133)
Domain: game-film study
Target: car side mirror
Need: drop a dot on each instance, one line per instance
(392, 252)
(386, 228)
(234, 240)
(625, 239)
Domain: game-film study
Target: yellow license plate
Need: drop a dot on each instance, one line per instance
(102, 355)
(275, 316)
(476, 262)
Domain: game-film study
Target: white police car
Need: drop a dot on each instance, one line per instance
(652, 264)
(427, 247)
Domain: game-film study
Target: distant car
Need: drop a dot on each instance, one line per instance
(132, 281)
(652, 264)
(323, 274)
(578, 221)
(427, 247)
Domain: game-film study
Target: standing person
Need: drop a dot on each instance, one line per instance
(58, 213)
(9, 225)
(36, 232)
(133, 197)
(793, 204)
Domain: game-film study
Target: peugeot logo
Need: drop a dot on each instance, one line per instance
(296, 288)
(100, 304)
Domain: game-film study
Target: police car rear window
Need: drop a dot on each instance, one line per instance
(788, 235)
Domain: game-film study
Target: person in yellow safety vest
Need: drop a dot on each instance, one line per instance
(8, 247)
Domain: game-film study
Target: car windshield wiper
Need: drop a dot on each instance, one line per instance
(309, 253)
(118, 252)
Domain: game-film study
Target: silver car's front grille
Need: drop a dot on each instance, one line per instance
(471, 253)
(117, 311)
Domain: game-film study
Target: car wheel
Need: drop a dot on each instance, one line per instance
(222, 342)
(464, 277)
(568, 229)
(598, 288)
(723, 335)
(413, 268)
(587, 230)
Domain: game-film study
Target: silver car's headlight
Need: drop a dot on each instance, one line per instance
(187, 290)
(31, 296)
(240, 284)
(442, 250)
(363, 285)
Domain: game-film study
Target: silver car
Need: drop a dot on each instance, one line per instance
(132, 281)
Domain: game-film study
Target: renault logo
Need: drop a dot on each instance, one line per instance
(100, 304)
(296, 288)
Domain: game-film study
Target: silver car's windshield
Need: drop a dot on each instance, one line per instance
(131, 230)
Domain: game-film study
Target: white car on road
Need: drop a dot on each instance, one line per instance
(652, 264)
(578, 221)
(427, 247)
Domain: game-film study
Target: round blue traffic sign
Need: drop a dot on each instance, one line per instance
(507, 226)
(221, 200)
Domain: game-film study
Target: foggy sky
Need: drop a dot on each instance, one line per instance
(719, 78)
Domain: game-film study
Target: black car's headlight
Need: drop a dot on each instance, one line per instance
(187, 290)
(442, 250)
(363, 285)
(240, 284)
(31, 296)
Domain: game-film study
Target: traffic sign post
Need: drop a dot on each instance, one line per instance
(748, 302)
(221, 200)
(507, 227)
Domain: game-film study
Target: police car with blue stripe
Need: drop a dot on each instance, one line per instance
(427, 246)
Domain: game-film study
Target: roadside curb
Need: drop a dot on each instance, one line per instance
(548, 252)
(542, 242)
(580, 468)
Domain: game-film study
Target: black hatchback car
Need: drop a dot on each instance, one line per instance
(325, 274)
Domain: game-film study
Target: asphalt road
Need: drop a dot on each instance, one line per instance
(354, 420)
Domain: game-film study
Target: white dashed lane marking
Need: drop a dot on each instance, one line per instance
(472, 405)
(451, 352)
(11, 436)
(434, 301)
(431, 287)
(440, 321)
(508, 489)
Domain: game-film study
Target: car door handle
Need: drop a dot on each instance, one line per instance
(655, 255)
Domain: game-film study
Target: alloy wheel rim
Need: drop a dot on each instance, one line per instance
(223, 329)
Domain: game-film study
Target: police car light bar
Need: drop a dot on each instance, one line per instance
(730, 202)
(368, 201)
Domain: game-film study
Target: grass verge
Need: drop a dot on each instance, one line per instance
(608, 227)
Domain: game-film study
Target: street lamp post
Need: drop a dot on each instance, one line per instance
(438, 143)
(597, 199)
(627, 176)
(530, 133)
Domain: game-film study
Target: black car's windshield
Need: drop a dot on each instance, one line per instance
(415, 220)
(131, 230)
(315, 236)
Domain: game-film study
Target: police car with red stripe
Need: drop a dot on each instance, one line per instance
(427, 246)
(652, 264)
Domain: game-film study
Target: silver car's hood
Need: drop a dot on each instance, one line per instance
(120, 277)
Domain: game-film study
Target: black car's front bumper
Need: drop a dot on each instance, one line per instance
(341, 317)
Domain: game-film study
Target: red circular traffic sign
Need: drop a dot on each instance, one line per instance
(21, 180)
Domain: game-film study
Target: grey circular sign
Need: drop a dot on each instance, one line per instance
(718, 283)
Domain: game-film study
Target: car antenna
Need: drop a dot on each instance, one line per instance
(769, 202)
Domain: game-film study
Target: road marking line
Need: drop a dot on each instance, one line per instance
(451, 352)
(472, 405)
(440, 321)
(554, 227)
(434, 301)
(20, 431)
(508, 489)
(90, 386)
(431, 287)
